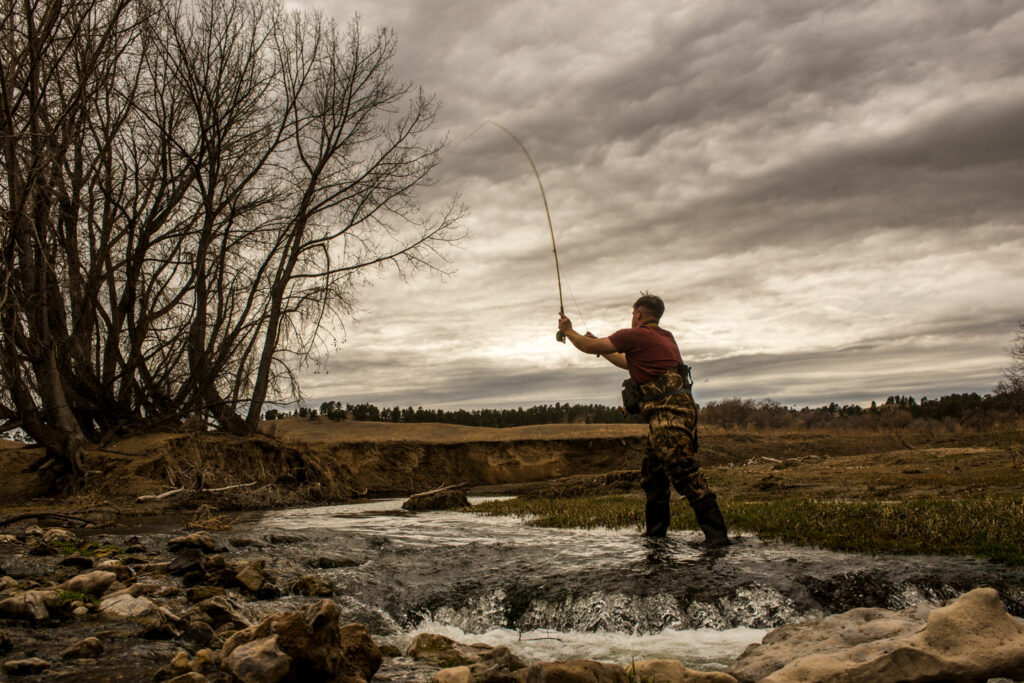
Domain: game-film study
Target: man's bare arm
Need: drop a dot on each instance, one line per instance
(616, 359)
(586, 344)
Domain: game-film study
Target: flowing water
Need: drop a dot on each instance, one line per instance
(596, 594)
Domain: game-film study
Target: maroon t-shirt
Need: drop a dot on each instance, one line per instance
(650, 351)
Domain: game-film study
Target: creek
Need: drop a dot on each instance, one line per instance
(598, 594)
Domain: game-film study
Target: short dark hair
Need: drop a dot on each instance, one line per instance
(652, 305)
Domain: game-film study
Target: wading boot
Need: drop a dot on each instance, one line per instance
(711, 522)
(658, 515)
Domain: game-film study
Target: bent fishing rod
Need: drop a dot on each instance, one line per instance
(554, 248)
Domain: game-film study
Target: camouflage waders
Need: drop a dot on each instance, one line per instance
(671, 458)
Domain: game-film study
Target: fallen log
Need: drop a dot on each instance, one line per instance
(174, 492)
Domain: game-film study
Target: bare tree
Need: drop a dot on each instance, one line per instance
(192, 192)
(1012, 384)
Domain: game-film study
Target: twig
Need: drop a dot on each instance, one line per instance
(440, 489)
(175, 492)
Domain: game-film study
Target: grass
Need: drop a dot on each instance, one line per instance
(983, 526)
(91, 549)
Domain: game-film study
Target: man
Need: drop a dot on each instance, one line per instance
(652, 357)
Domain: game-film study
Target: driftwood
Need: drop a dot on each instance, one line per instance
(439, 490)
(174, 492)
(43, 515)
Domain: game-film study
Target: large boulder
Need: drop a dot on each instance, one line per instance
(672, 671)
(200, 540)
(311, 642)
(971, 638)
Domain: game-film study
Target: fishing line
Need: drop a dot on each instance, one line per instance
(547, 212)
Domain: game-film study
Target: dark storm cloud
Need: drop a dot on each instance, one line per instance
(827, 194)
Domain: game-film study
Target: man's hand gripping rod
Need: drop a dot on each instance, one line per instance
(558, 273)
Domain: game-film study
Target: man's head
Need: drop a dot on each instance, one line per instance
(647, 309)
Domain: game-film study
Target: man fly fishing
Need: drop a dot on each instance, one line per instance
(659, 388)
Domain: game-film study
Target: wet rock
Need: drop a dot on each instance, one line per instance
(188, 560)
(672, 671)
(574, 670)
(77, 562)
(483, 660)
(180, 662)
(280, 539)
(32, 606)
(455, 674)
(220, 611)
(258, 661)
(25, 667)
(246, 543)
(971, 638)
(87, 648)
(311, 585)
(58, 536)
(157, 622)
(8, 585)
(190, 677)
(91, 583)
(200, 593)
(199, 540)
(254, 579)
(312, 643)
(205, 660)
(123, 572)
(449, 499)
(334, 562)
(5, 644)
(198, 632)
(8, 538)
(389, 650)
(41, 549)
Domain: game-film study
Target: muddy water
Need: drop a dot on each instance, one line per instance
(600, 594)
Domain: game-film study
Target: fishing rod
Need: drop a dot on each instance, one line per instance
(554, 248)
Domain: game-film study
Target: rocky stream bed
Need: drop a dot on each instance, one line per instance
(368, 591)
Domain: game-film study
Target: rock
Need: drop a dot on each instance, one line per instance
(200, 593)
(80, 612)
(313, 644)
(573, 671)
(455, 674)
(91, 583)
(8, 538)
(180, 661)
(280, 539)
(156, 621)
(188, 560)
(389, 650)
(190, 677)
(5, 644)
(25, 667)
(155, 567)
(58, 536)
(198, 632)
(77, 561)
(311, 585)
(254, 579)
(221, 611)
(41, 549)
(246, 543)
(205, 660)
(258, 661)
(334, 562)
(449, 499)
(672, 671)
(88, 648)
(8, 585)
(483, 660)
(123, 572)
(971, 638)
(33, 606)
(200, 540)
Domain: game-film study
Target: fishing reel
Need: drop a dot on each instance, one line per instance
(560, 336)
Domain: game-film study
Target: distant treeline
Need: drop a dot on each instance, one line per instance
(965, 410)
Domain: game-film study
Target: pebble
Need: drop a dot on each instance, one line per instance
(25, 667)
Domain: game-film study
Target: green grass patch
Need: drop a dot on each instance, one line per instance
(987, 527)
(91, 549)
(68, 597)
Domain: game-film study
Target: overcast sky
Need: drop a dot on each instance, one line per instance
(829, 196)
